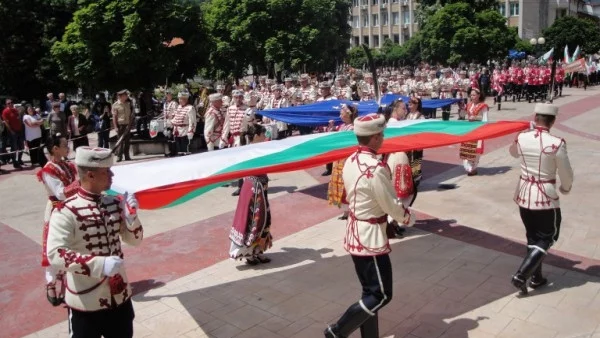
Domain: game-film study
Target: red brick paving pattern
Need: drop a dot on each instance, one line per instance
(22, 297)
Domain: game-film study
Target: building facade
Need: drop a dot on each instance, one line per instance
(531, 17)
(374, 21)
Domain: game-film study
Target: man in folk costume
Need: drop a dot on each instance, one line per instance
(276, 102)
(226, 99)
(543, 155)
(372, 198)
(559, 78)
(236, 120)
(214, 123)
(184, 124)
(470, 152)
(85, 238)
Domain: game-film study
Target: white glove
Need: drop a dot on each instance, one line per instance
(112, 264)
(409, 219)
(130, 207)
(190, 136)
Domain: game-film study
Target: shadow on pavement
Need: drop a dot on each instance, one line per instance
(436, 287)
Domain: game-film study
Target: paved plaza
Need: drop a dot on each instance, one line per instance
(451, 271)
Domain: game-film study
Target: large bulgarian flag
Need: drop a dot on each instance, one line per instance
(169, 182)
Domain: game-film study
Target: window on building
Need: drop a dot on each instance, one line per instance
(396, 38)
(355, 3)
(406, 17)
(355, 22)
(514, 9)
(384, 2)
(406, 37)
(366, 40)
(364, 2)
(395, 18)
(365, 21)
(375, 40)
(375, 20)
(384, 18)
(375, 2)
(386, 37)
(561, 12)
(356, 40)
(395, 1)
(502, 9)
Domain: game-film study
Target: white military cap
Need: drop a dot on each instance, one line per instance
(220, 87)
(93, 157)
(304, 77)
(324, 84)
(275, 87)
(369, 125)
(215, 97)
(463, 72)
(544, 109)
(183, 93)
(269, 81)
(383, 80)
(406, 72)
(288, 79)
(237, 92)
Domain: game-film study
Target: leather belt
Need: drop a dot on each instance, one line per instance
(534, 180)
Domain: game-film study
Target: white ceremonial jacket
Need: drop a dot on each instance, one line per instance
(84, 230)
(542, 156)
(371, 198)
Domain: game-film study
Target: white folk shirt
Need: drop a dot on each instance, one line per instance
(184, 120)
(542, 156)
(275, 104)
(236, 119)
(214, 125)
(84, 230)
(371, 198)
(169, 109)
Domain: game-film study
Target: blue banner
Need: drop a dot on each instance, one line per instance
(320, 113)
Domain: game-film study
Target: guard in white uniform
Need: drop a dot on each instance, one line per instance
(85, 241)
(543, 155)
(215, 123)
(371, 198)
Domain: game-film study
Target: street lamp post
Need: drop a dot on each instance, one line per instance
(537, 45)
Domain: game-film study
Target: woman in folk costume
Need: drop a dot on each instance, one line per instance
(61, 182)
(415, 112)
(336, 195)
(250, 234)
(477, 110)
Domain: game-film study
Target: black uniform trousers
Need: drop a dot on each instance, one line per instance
(542, 226)
(375, 276)
(109, 323)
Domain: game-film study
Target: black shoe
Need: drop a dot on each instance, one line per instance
(399, 231)
(236, 193)
(329, 333)
(520, 283)
(535, 283)
(120, 159)
(127, 158)
(326, 173)
(17, 166)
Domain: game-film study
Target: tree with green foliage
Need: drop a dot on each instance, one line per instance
(113, 44)
(270, 35)
(457, 32)
(573, 31)
(29, 28)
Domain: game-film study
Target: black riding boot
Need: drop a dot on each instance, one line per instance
(528, 267)
(537, 280)
(370, 328)
(351, 320)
